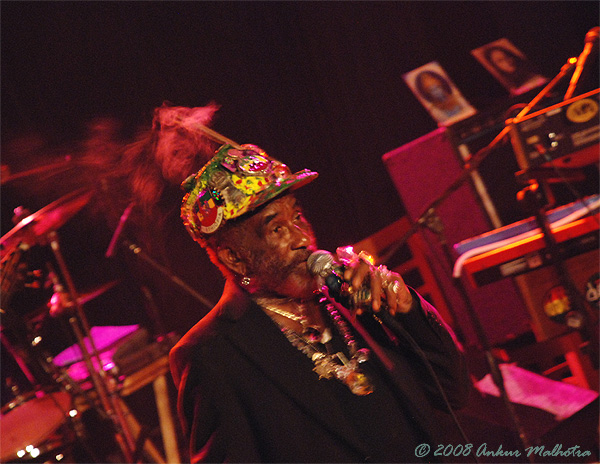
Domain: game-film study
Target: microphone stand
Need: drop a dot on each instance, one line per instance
(474, 161)
(436, 226)
(577, 318)
(137, 251)
(591, 38)
(429, 218)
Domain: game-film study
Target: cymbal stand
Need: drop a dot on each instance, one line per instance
(105, 387)
(58, 374)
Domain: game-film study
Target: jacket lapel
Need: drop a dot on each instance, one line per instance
(260, 339)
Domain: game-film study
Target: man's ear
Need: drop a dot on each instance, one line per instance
(232, 260)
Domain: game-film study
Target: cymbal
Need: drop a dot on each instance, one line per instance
(48, 170)
(34, 227)
(41, 313)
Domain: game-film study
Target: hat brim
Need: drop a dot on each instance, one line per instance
(292, 183)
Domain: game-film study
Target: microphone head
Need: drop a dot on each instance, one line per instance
(592, 34)
(320, 263)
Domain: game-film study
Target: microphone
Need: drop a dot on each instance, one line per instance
(591, 42)
(321, 263)
(110, 251)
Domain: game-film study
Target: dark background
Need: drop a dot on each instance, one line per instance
(316, 84)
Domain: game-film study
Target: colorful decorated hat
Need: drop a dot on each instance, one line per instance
(234, 182)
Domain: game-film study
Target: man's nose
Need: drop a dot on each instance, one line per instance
(300, 236)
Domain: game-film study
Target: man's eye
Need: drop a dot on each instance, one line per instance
(276, 229)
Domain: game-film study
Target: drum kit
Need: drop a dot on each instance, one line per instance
(43, 424)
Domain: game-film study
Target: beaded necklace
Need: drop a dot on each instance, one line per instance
(328, 364)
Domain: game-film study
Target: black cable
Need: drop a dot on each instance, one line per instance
(399, 331)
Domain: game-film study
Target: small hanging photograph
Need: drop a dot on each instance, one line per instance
(509, 66)
(438, 94)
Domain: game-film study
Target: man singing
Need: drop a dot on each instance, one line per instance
(275, 373)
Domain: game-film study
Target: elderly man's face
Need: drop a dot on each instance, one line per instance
(276, 244)
(503, 61)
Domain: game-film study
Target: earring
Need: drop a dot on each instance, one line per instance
(245, 281)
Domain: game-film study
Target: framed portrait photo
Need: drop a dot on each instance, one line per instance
(438, 94)
(509, 66)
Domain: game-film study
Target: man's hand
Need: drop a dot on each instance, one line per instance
(383, 284)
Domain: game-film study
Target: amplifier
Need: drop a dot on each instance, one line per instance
(564, 135)
(499, 306)
(547, 301)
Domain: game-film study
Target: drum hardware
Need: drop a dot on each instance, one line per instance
(15, 276)
(104, 386)
(11, 276)
(61, 376)
(59, 301)
(25, 436)
(40, 229)
(57, 436)
(109, 340)
(22, 357)
(31, 353)
(82, 400)
(34, 229)
(15, 390)
(105, 391)
(29, 428)
(92, 294)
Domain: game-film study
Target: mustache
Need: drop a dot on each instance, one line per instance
(304, 254)
(278, 269)
(300, 258)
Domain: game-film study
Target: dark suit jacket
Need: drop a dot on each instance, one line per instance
(247, 395)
